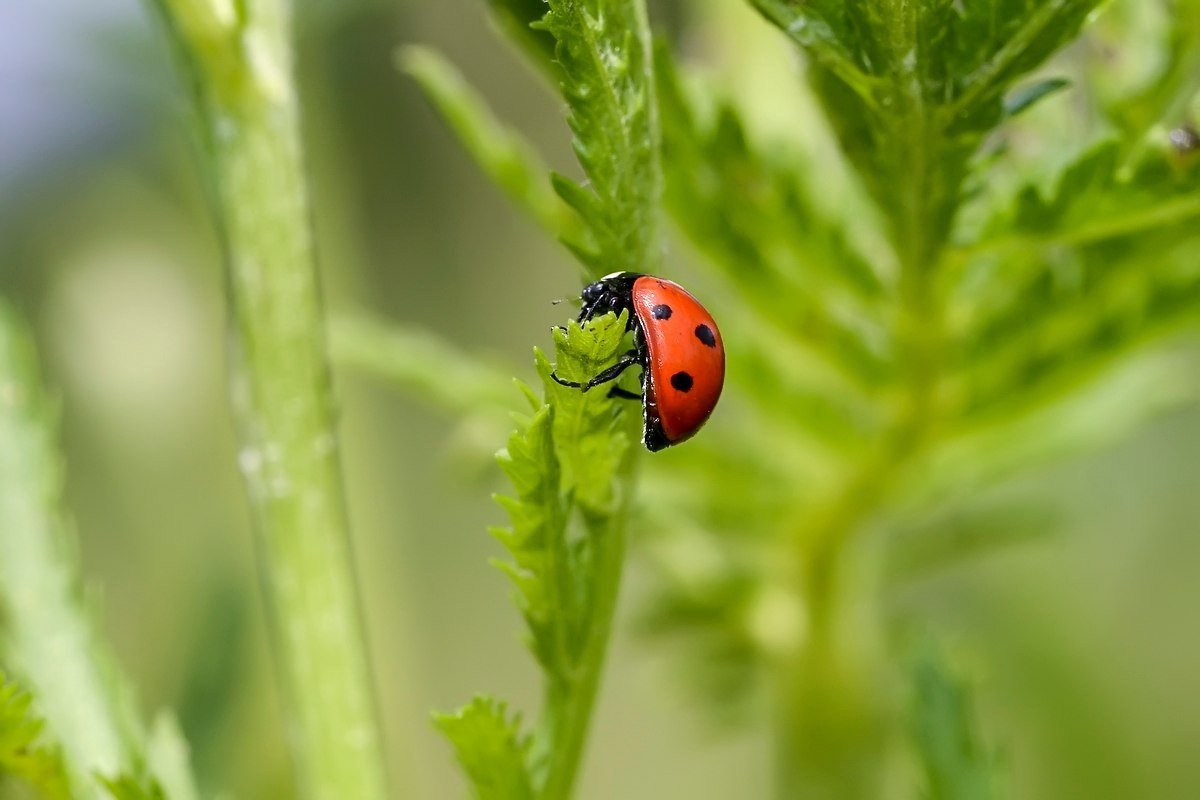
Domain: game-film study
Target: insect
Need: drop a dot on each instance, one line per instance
(677, 345)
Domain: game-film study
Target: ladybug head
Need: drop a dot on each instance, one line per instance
(610, 293)
(592, 292)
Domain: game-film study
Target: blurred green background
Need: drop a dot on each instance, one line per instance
(1082, 647)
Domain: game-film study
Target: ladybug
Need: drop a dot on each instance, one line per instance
(677, 345)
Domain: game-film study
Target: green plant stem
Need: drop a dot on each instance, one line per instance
(830, 712)
(50, 640)
(242, 69)
(569, 705)
(834, 715)
(284, 408)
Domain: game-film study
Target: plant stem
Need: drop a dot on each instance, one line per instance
(569, 704)
(241, 64)
(831, 714)
(835, 715)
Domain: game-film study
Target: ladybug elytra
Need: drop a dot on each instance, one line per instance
(677, 345)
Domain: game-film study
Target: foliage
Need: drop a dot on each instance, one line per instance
(949, 319)
(964, 296)
(945, 729)
(50, 638)
(24, 754)
(603, 50)
(912, 88)
(569, 465)
(573, 458)
(129, 788)
(602, 62)
(490, 748)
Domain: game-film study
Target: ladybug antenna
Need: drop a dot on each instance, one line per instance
(564, 300)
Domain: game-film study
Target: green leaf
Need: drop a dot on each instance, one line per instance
(1028, 96)
(491, 749)
(590, 432)
(499, 150)
(570, 468)
(128, 787)
(1071, 281)
(51, 639)
(749, 213)
(912, 87)
(569, 453)
(1098, 198)
(168, 755)
(601, 59)
(1106, 407)
(24, 752)
(536, 539)
(603, 51)
(950, 536)
(956, 763)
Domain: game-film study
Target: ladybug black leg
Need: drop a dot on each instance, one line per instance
(612, 373)
(624, 394)
(569, 384)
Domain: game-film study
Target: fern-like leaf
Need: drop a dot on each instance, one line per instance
(912, 87)
(569, 468)
(51, 637)
(491, 749)
(536, 539)
(751, 215)
(24, 752)
(603, 50)
(566, 455)
(1078, 278)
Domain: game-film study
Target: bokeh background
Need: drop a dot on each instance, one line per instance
(1084, 653)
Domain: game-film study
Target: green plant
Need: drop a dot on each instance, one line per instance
(69, 729)
(571, 468)
(238, 60)
(946, 325)
(571, 463)
(924, 291)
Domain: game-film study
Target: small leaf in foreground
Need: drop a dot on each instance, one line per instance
(490, 747)
(957, 764)
(127, 787)
(24, 752)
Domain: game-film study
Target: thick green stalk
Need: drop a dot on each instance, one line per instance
(49, 639)
(241, 63)
(835, 717)
(831, 714)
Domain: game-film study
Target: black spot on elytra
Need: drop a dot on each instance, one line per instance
(662, 311)
(682, 381)
(705, 335)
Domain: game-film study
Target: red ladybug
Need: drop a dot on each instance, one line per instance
(677, 345)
